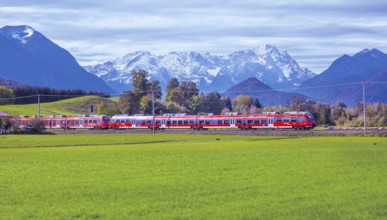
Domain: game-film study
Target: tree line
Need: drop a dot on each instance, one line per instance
(182, 97)
(185, 97)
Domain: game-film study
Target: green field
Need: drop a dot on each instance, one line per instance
(71, 106)
(166, 176)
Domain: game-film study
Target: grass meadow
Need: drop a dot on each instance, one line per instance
(169, 176)
(71, 106)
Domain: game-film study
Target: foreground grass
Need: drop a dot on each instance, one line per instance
(121, 176)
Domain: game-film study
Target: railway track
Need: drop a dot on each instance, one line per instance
(259, 132)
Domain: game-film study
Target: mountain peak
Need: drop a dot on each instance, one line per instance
(251, 84)
(27, 56)
(373, 52)
(20, 33)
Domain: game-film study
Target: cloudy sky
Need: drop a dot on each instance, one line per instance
(313, 32)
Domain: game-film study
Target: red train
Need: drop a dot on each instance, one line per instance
(294, 120)
(64, 122)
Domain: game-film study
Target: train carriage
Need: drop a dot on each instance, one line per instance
(64, 122)
(220, 121)
(177, 121)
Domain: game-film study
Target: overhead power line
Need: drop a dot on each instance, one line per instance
(230, 91)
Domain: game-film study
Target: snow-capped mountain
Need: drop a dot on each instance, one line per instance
(210, 72)
(28, 57)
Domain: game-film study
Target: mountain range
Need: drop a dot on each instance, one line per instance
(343, 80)
(265, 94)
(210, 72)
(27, 56)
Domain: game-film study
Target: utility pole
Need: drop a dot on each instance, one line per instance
(38, 107)
(153, 111)
(364, 110)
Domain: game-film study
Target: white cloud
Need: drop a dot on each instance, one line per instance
(314, 32)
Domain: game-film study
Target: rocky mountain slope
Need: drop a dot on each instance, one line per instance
(210, 72)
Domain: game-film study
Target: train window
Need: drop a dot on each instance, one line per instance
(149, 122)
(249, 121)
(301, 119)
(168, 122)
(174, 122)
(179, 122)
(191, 122)
(127, 120)
(256, 122)
(143, 122)
(201, 122)
(207, 122)
(226, 122)
(239, 121)
(94, 121)
(278, 119)
(220, 122)
(293, 119)
(185, 122)
(285, 119)
(264, 121)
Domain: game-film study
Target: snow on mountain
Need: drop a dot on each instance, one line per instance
(21, 33)
(28, 57)
(209, 72)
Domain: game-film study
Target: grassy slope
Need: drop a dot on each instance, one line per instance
(124, 176)
(72, 106)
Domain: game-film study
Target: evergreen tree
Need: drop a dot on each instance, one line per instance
(155, 86)
(129, 103)
(172, 83)
(213, 103)
(257, 103)
(228, 104)
(139, 81)
(176, 95)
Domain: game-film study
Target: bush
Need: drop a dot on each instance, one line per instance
(36, 127)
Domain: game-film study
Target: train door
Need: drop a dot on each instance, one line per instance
(163, 123)
(271, 122)
(232, 123)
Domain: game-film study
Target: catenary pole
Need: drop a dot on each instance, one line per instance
(153, 111)
(364, 110)
(38, 107)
